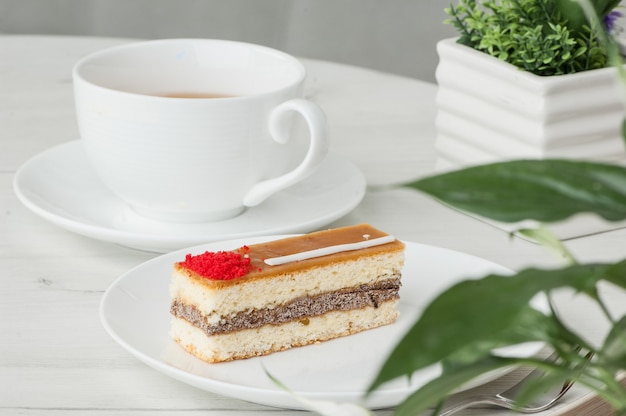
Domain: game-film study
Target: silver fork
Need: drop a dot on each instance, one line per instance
(505, 398)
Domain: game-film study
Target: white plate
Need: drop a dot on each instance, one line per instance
(60, 186)
(135, 312)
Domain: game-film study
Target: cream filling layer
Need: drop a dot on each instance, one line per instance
(297, 309)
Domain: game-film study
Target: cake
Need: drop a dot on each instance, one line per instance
(285, 293)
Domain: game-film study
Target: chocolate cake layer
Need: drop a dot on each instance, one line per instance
(298, 309)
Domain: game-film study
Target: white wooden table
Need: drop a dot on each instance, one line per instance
(55, 357)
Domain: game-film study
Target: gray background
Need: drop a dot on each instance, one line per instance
(397, 36)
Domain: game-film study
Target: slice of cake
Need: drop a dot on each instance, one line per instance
(300, 290)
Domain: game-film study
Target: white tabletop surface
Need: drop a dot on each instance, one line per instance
(55, 356)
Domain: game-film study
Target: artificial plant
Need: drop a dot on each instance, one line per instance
(512, 191)
(462, 326)
(544, 37)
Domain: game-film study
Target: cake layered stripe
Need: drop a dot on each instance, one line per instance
(300, 308)
(273, 338)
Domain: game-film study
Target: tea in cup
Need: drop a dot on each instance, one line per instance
(195, 130)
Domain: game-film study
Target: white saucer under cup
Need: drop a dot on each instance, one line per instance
(48, 183)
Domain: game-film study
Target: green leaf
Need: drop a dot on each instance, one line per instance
(615, 343)
(439, 388)
(604, 7)
(529, 324)
(547, 383)
(322, 407)
(546, 238)
(543, 190)
(575, 15)
(482, 312)
(616, 274)
(571, 10)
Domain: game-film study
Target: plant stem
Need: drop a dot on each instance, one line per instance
(605, 310)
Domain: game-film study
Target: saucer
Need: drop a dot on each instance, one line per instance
(60, 186)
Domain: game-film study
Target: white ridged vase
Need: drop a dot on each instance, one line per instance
(489, 110)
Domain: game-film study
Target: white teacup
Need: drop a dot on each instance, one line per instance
(194, 130)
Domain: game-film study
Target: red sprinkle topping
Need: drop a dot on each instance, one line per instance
(220, 265)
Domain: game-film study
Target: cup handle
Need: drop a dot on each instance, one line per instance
(279, 129)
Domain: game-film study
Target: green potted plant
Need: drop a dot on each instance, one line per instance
(527, 79)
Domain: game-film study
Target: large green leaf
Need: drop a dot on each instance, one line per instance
(528, 325)
(548, 382)
(481, 312)
(571, 10)
(546, 238)
(616, 274)
(604, 7)
(439, 388)
(436, 390)
(615, 343)
(543, 190)
(574, 13)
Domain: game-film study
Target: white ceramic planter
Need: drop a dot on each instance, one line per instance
(489, 110)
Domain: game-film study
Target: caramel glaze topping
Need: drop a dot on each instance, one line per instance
(259, 252)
